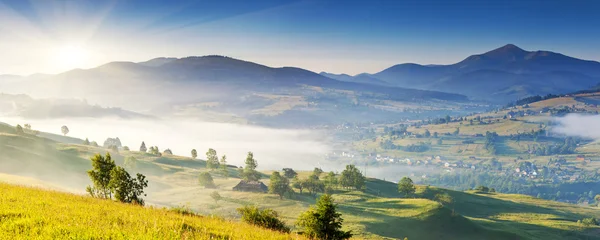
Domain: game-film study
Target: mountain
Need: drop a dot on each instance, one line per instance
(360, 78)
(216, 87)
(503, 74)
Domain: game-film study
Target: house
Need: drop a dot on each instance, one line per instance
(251, 186)
(580, 158)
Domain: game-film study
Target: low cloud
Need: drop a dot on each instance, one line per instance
(587, 126)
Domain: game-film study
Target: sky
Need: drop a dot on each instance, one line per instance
(53, 36)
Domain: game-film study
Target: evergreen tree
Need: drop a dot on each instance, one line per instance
(322, 221)
(19, 130)
(143, 147)
(86, 142)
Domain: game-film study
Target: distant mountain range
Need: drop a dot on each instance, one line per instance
(214, 86)
(503, 74)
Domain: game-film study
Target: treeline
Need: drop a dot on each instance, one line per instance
(561, 191)
(567, 147)
(531, 99)
(491, 139)
(419, 147)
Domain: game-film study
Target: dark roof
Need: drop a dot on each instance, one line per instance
(251, 186)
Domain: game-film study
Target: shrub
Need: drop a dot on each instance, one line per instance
(589, 221)
(266, 218)
(206, 180)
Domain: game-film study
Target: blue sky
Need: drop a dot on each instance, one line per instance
(335, 36)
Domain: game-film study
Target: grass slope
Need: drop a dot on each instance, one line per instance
(29, 213)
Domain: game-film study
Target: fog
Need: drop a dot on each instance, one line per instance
(587, 126)
(272, 148)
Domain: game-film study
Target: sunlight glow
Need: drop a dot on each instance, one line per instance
(71, 56)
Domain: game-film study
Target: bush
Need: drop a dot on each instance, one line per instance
(266, 218)
(206, 180)
(482, 189)
(588, 221)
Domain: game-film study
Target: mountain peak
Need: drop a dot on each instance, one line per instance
(507, 49)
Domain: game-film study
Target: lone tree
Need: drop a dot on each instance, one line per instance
(168, 152)
(126, 188)
(249, 173)
(216, 196)
(19, 130)
(143, 147)
(223, 165)
(351, 177)
(279, 185)
(206, 180)
(289, 173)
(100, 176)
(64, 130)
(194, 153)
(406, 186)
(86, 142)
(212, 160)
(322, 221)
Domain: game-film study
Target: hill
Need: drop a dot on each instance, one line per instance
(379, 212)
(506, 73)
(220, 88)
(28, 213)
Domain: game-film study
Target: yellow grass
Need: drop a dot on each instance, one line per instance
(29, 213)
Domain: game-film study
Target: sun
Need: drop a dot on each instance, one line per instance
(71, 56)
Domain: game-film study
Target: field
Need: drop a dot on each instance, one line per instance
(28, 213)
(380, 212)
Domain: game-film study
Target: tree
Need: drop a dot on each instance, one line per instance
(27, 126)
(456, 131)
(250, 161)
(154, 151)
(206, 180)
(279, 185)
(481, 188)
(352, 178)
(125, 148)
(143, 147)
(266, 218)
(331, 180)
(64, 130)
(223, 164)
(597, 198)
(322, 221)
(406, 186)
(100, 176)
(126, 188)
(298, 184)
(439, 141)
(194, 153)
(19, 130)
(113, 148)
(130, 162)
(216, 196)
(313, 185)
(289, 173)
(167, 152)
(249, 173)
(317, 172)
(94, 144)
(86, 142)
(435, 134)
(427, 133)
(212, 160)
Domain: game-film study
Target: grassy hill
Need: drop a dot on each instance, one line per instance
(29, 213)
(378, 213)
